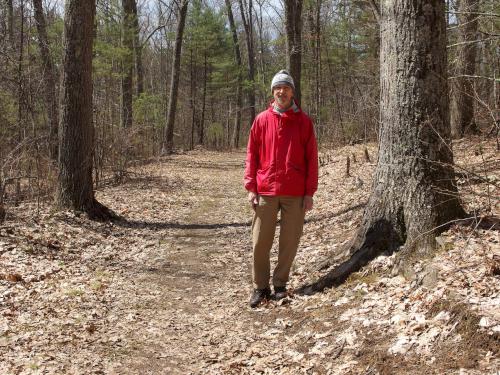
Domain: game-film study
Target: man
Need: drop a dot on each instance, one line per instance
(281, 174)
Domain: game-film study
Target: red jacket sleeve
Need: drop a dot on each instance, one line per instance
(312, 162)
(252, 159)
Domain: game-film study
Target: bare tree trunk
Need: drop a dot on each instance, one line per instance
(237, 55)
(21, 93)
(76, 133)
(260, 24)
(128, 33)
(462, 87)
(293, 26)
(414, 194)
(3, 20)
(49, 78)
(10, 21)
(201, 133)
(139, 70)
(317, 68)
(2, 193)
(168, 139)
(248, 25)
(192, 96)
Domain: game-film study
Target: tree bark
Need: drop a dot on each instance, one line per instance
(2, 209)
(414, 194)
(192, 96)
(293, 26)
(248, 25)
(201, 129)
(49, 78)
(462, 88)
(10, 21)
(262, 52)
(21, 94)
(139, 70)
(235, 140)
(317, 68)
(128, 33)
(168, 139)
(76, 132)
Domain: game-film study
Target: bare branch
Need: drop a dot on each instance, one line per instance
(472, 41)
(476, 13)
(470, 76)
(375, 9)
(152, 33)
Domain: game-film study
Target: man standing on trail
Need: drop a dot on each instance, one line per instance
(281, 174)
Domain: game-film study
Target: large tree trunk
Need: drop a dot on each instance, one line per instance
(76, 132)
(414, 194)
(293, 26)
(462, 87)
(128, 35)
(168, 139)
(237, 55)
(49, 78)
(246, 16)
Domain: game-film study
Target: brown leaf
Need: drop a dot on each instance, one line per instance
(494, 266)
(91, 328)
(12, 277)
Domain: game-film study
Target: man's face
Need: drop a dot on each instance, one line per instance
(283, 95)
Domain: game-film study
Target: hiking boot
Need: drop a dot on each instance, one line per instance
(258, 296)
(280, 292)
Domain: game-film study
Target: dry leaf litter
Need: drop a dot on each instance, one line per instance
(165, 290)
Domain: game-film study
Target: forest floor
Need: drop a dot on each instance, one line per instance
(165, 290)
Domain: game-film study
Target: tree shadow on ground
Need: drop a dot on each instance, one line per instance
(159, 225)
(329, 215)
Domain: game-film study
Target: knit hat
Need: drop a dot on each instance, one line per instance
(282, 78)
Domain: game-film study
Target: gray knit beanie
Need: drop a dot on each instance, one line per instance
(282, 78)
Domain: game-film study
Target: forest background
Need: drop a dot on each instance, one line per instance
(223, 78)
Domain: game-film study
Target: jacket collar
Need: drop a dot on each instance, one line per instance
(294, 108)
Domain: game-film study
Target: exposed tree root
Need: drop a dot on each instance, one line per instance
(377, 238)
(374, 238)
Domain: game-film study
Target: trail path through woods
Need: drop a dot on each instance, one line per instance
(166, 289)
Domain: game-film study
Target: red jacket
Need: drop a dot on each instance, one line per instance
(282, 154)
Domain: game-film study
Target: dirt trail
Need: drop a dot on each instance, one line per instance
(190, 287)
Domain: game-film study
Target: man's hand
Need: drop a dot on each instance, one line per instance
(253, 198)
(308, 203)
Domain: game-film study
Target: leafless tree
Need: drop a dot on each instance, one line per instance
(237, 55)
(168, 139)
(462, 92)
(293, 26)
(76, 138)
(246, 10)
(49, 78)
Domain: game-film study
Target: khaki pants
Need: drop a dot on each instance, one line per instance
(263, 229)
